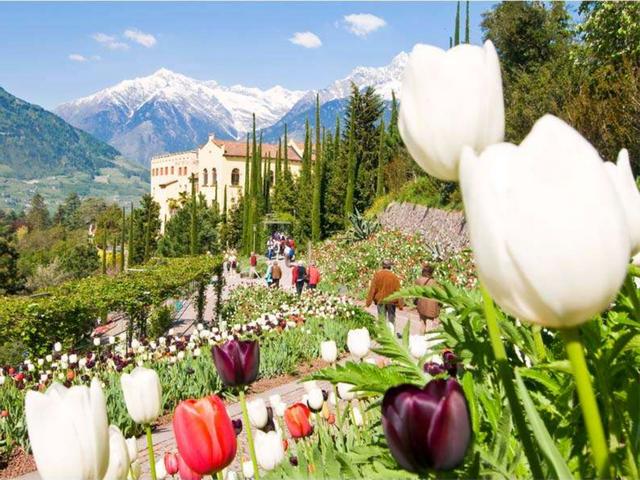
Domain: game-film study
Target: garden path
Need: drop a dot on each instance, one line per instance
(290, 392)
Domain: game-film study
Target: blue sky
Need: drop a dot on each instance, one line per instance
(54, 52)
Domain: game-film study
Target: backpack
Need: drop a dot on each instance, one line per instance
(301, 274)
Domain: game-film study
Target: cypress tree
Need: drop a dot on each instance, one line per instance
(466, 26)
(147, 237)
(123, 238)
(351, 167)
(246, 205)
(114, 259)
(381, 161)
(456, 33)
(318, 127)
(286, 149)
(316, 207)
(131, 249)
(193, 238)
(278, 174)
(224, 205)
(450, 42)
(104, 250)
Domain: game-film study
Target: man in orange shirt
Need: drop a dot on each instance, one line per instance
(383, 284)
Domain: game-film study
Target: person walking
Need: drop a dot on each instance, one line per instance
(383, 284)
(313, 274)
(253, 262)
(276, 274)
(428, 308)
(298, 277)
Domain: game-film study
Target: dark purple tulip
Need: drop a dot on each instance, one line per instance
(427, 428)
(433, 368)
(450, 361)
(237, 426)
(237, 362)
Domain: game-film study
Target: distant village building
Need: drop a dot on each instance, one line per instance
(216, 164)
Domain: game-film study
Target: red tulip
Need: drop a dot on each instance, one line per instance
(185, 472)
(171, 463)
(204, 434)
(297, 419)
(237, 362)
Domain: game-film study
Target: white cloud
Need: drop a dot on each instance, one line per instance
(144, 39)
(109, 41)
(362, 24)
(306, 40)
(76, 57)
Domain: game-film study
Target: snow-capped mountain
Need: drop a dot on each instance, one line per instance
(167, 111)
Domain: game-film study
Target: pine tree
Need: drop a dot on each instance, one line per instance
(351, 167)
(466, 26)
(381, 161)
(318, 180)
(456, 33)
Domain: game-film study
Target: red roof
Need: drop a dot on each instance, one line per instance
(239, 149)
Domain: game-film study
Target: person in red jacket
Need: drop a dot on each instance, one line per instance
(313, 274)
(253, 262)
(298, 276)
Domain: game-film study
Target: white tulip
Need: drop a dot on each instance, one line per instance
(371, 361)
(40, 362)
(450, 99)
(247, 469)
(64, 358)
(329, 351)
(258, 415)
(2, 379)
(625, 185)
(96, 341)
(332, 398)
(548, 231)
(57, 346)
(315, 399)
(161, 470)
(231, 475)
(132, 447)
(49, 358)
(274, 400)
(269, 449)
(417, 346)
(309, 385)
(358, 342)
(280, 409)
(135, 344)
(118, 455)
(345, 391)
(142, 394)
(357, 416)
(68, 431)
(31, 367)
(112, 340)
(180, 355)
(135, 469)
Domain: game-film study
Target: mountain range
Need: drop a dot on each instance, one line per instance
(40, 152)
(168, 111)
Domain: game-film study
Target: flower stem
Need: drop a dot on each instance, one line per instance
(338, 418)
(590, 412)
(252, 449)
(152, 458)
(506, 376)
(219, 475)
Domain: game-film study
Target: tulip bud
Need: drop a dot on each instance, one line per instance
(345, 391)
(142, 394)
(170, 463)
(359, 342)
(247, 469)
(68, 431)
(274, 400)
(57, 347)
(440, 408)
(315, 400)
(450, 100)
(96, 342)
(297, 419)
(357, 417)
(625, 185)
(258, 415)
(237, 362)
(132, 448)
(204, 435)
(417, 346)
(118, 468)
(554, 178)
(329, 351)
(269, 449)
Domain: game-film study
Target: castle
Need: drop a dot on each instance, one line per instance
(217, 165)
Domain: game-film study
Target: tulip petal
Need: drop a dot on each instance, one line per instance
(627, 190)
(224, 365)
(450, 431)
(249, 353)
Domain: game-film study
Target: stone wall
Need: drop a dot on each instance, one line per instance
(444, 230)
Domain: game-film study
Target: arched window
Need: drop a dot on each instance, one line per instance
(205, 177)
(235, 177)
(214, 177)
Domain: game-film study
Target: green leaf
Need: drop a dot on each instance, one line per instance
(540, 432)
(469, 393)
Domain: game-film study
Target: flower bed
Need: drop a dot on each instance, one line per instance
(288, 337)
(350, 266)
